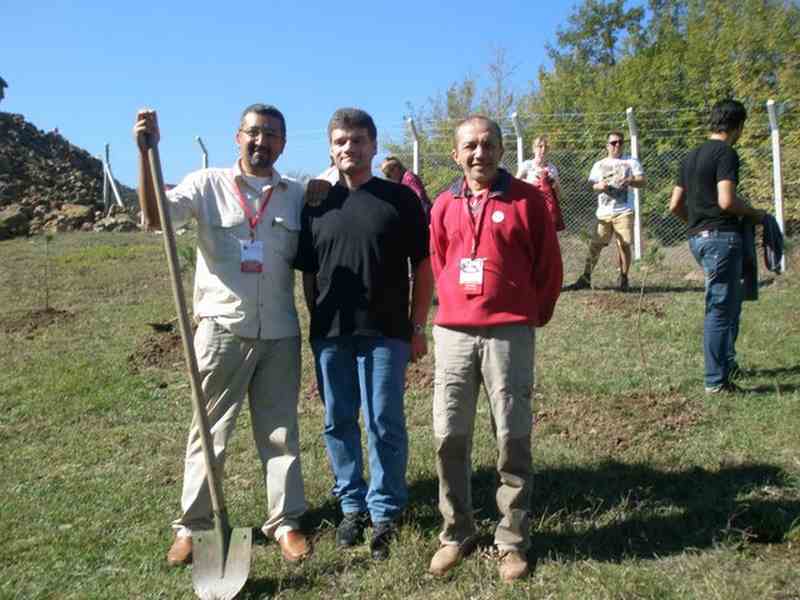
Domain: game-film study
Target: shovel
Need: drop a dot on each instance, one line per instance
(221, 556)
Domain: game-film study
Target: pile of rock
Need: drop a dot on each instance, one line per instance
(47, 184)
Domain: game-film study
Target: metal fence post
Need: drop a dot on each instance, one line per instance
(637, 217)
(415, 145)
(106, 203)
(108, 178)
(518, 133)
(774, 113)
(205, 152)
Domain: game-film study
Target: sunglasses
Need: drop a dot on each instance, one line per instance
(615, 142)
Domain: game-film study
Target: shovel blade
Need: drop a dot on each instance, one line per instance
(218, 574)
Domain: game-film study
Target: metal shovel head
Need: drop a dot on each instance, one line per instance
(220, 569)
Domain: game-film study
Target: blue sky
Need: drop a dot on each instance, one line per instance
(86, 67)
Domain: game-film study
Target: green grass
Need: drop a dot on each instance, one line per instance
(644, 487)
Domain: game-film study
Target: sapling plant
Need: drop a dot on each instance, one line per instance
(651, 261)
(48, 237)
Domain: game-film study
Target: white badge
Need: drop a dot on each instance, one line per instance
(470, 275)
(252, 252)
(498, 216)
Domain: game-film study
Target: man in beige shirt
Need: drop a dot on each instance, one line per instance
(248, 336)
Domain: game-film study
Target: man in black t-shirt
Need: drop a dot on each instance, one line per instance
(354, 251)
(705, 198)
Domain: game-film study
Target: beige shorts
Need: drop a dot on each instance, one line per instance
(619, 226)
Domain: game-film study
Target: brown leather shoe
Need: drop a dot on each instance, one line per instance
(180, 553)
(294, 546)
(513, 565)
(446, 557)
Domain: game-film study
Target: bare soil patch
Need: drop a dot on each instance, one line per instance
(627, 304)
(635, 421)
(30, 322)
(161, 350)
(419, 375)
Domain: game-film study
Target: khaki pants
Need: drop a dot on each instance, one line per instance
(619, 227)
(268, 371)
(501, 358)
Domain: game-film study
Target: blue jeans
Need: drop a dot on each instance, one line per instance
(720, 255)
(368, 373)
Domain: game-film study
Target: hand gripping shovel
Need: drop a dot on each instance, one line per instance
(221, 556)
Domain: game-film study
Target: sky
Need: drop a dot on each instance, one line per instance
(85, 68)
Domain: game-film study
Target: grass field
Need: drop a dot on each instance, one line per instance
(644, 487)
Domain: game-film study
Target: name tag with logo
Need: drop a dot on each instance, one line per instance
(252, 253)
(470, 276)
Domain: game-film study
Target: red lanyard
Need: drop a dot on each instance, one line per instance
(253, 219)
(477, 223)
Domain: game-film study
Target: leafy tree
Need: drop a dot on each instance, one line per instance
(670, 60)
(594, 31)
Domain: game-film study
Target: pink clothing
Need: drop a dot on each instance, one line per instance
(545, 177)
(411, 180)
(522, 269)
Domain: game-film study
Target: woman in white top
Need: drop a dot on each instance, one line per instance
(544, 175)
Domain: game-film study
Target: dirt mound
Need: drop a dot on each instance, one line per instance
(32, 321)
(161, 350)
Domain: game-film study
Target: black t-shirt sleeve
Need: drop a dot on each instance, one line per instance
(728, 166)
(416, 227)
(306, 258)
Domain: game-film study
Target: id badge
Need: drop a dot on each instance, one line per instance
(252, 252)
(470, 276)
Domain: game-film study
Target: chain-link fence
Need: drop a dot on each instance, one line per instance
(577, 141)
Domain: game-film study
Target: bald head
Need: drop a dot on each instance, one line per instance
(479, 120)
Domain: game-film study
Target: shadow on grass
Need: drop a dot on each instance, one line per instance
(795, 370)
(608, 512)
(616, 510)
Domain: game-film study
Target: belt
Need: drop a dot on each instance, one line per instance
(714, 232)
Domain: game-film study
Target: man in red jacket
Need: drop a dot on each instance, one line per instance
(498, 270)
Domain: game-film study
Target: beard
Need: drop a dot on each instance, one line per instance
(259, 157)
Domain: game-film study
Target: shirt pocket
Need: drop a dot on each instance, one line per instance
(283, 236)
(222, 235)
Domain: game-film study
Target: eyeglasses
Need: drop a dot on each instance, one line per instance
(614, 142)
(270, 134)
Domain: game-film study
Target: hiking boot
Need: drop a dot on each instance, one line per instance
(622, 283)
(383, 532)
(583, 282)
(513, 565)
(180, 553)
(351, 530)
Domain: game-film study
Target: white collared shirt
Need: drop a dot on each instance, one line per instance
(251, 305)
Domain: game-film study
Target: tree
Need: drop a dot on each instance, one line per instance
(595, 31)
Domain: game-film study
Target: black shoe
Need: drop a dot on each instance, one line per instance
(351, 530)
(383, 532)
(582, 283)
(622, 284)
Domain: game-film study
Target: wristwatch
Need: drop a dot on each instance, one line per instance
(419, 329)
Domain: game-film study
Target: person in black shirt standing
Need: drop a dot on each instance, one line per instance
(354, 251)
(705, 198)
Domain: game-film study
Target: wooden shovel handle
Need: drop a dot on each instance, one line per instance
(198, 397)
